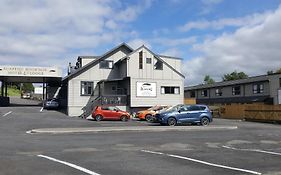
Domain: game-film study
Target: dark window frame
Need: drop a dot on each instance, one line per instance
(148, 60)
(204, 93)
(104, 64)
(218, 92)
(236, 90)
(259, 88)
(158, 65)
(140, 60)
(192, 94)
(170, 90)
(89, 84)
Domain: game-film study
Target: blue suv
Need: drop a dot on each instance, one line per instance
(185, 114)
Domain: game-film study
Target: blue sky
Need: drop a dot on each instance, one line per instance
(213, 37)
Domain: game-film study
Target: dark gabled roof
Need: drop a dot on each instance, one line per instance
(165, 56)
(251, 99)
(259, 78)
(96, 61)
(89, 57)
(156, 56)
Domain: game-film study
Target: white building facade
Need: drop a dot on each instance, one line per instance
(124, 77)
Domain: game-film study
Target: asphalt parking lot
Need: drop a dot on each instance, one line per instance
(251, 148)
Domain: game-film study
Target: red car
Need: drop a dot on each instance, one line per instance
(109, 113)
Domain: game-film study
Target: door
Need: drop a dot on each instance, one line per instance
(106, 113)
(114, 113)
(194, 113)
(183, 114)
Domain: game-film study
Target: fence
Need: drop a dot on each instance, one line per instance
(189, 101)
(270, 113)
(257, 112)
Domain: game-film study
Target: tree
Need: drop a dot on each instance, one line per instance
(278, 71)
(27, 87)
(270, 72)
(208, 80)
(234, 76)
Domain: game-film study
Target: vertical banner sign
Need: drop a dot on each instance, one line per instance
(146, 89)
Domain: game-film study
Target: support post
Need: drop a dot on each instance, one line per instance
(2, 88)
(6, 89)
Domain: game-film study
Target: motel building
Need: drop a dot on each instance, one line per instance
(127, 78)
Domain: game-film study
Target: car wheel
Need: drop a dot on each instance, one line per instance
(149, 118)
(124, 118)
(205, 121)
(172, 121)
(98, 118)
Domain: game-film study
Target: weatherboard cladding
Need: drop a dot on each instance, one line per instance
(96, 61)
(156, 56)
(230, 83)
(104, 56)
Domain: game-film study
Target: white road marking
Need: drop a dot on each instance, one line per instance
(7, 113)
(41, 109)
(253, 150)
(69, 164)
(203, 162)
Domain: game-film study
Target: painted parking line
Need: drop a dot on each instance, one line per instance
(7, 113)
(253, 150)
(203, 162)
(69, 164)
(128, 128)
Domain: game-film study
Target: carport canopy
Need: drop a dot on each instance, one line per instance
(23, 74)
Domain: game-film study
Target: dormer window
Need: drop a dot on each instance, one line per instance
(106, 64)
(140, 60)
(158, 64)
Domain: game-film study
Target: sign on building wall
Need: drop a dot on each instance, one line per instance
(30, 71)
(279, 96)
(146, 89)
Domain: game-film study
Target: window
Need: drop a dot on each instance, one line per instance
(105, 108)
(183, 108)
(148, 61)
(192, 94)
(236, 90)
(86, 87)
(218, 92)
(170, 90)
(194, 108)
(106, 64)
(258, 88)
(158, 64)
(140, 60)
(204, 93)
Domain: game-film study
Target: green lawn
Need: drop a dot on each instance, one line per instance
(13, 91)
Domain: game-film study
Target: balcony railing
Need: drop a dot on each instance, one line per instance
(118, 100)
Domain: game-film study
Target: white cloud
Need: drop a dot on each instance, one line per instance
(174, 42)
(208, 6)
(250, 20)
(51, 32)
(175, 52)
(136, 43)
(254, 49)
